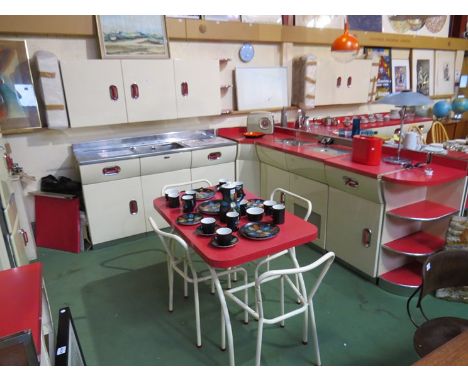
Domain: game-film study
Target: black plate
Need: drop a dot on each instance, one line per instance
(210, 207)
(259, 231)
(255, 203)
(190, 218)
(233, 242)
(204, 193)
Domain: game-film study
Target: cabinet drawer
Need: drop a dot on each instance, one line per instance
(354, 184)
(213, 156)
(109, 171)
(165, 163)
(273, 157)
(307, 168)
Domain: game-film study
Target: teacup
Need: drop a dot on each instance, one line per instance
(208, 225)
(255, 214)
(224, 236)
(267, 204)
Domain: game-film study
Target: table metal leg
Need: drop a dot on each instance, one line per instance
(225, 312)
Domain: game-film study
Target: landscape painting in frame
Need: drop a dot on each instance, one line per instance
(132, 36)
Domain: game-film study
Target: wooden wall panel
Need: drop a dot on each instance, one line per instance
(48, 25)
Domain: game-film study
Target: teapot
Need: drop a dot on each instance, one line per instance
(232, 193)
(412, 140)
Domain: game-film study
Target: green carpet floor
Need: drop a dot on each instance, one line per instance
(118, 297)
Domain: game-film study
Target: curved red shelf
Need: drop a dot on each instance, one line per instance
(417, 177)
(417, 244)
(423, 211)
(408, 275)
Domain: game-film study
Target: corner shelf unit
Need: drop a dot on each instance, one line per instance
(417, 214)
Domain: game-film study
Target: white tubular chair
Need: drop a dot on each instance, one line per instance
(170, 241)
(306, 303)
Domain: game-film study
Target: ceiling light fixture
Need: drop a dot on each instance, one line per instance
(346, 47)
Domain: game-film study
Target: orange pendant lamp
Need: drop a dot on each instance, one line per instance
(346, 47)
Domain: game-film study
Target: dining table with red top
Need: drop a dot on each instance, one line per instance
(293, 232)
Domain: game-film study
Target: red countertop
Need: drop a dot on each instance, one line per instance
(21, 301)
(445, 164)
(293, 232)
(417, 176)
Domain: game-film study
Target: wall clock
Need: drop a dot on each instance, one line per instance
(246, 52)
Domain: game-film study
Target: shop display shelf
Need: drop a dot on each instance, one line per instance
(425, 210)
(417, 244)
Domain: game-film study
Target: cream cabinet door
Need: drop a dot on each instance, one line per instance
(94, 92)
(271, 178)
(152, 186)
(353, 230)
(149, 89)
(115, 209)
(317, 193)
(197, 87)
(213, 173)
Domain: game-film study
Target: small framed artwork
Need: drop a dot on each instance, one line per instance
(132, 36)
(400, 75)
(422, 71)
(384, 74)
(444, 72)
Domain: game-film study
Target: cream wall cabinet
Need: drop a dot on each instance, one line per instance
(115, 209)
(104, 92)
(197, 88)
(94, 92)
(342, 83)
(149, 89)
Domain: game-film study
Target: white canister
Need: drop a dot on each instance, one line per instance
(412, 141)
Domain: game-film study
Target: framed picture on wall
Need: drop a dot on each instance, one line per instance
(444, 72)
(422, 71)
(384, 74)
(132, 36)
(400, 75)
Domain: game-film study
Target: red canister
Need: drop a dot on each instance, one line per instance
(367, 150)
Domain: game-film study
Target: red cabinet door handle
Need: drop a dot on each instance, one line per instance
(25, 236)
(350, 81)
(184, 89)
(366, 237)
(133, 207)
(114, 93)
(111, 170)
(338, 82)
(214, 156)
(135, 91)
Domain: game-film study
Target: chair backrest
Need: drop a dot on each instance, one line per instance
(443, 270)
(179, 186)
(168, 239)
(437, 133)
(308, 203)
(325, 261)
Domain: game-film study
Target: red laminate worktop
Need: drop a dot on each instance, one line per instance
(418, 177)
(21, 301)
(446, 168)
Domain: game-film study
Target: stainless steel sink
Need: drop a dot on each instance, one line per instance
(293, 142)
(328, 150)
(156, 148)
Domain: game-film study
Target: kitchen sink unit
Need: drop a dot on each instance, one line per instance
(121, 177)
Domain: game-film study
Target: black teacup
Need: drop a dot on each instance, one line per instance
(255, 214)
(208, 226)
(267, 205)
(243, 207)
(188, 203)
(173, 200)
(232, 220)
(224, 236)
(278, 211)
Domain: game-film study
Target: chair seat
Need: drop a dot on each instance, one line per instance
(436, 332)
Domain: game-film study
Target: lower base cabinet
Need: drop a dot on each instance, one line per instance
(152, 186)
(213, 173)
(353, 230)
(115, 209)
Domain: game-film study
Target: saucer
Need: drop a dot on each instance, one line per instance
(190, 218)
(232, 243)
(199, 231)
(254, 203)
